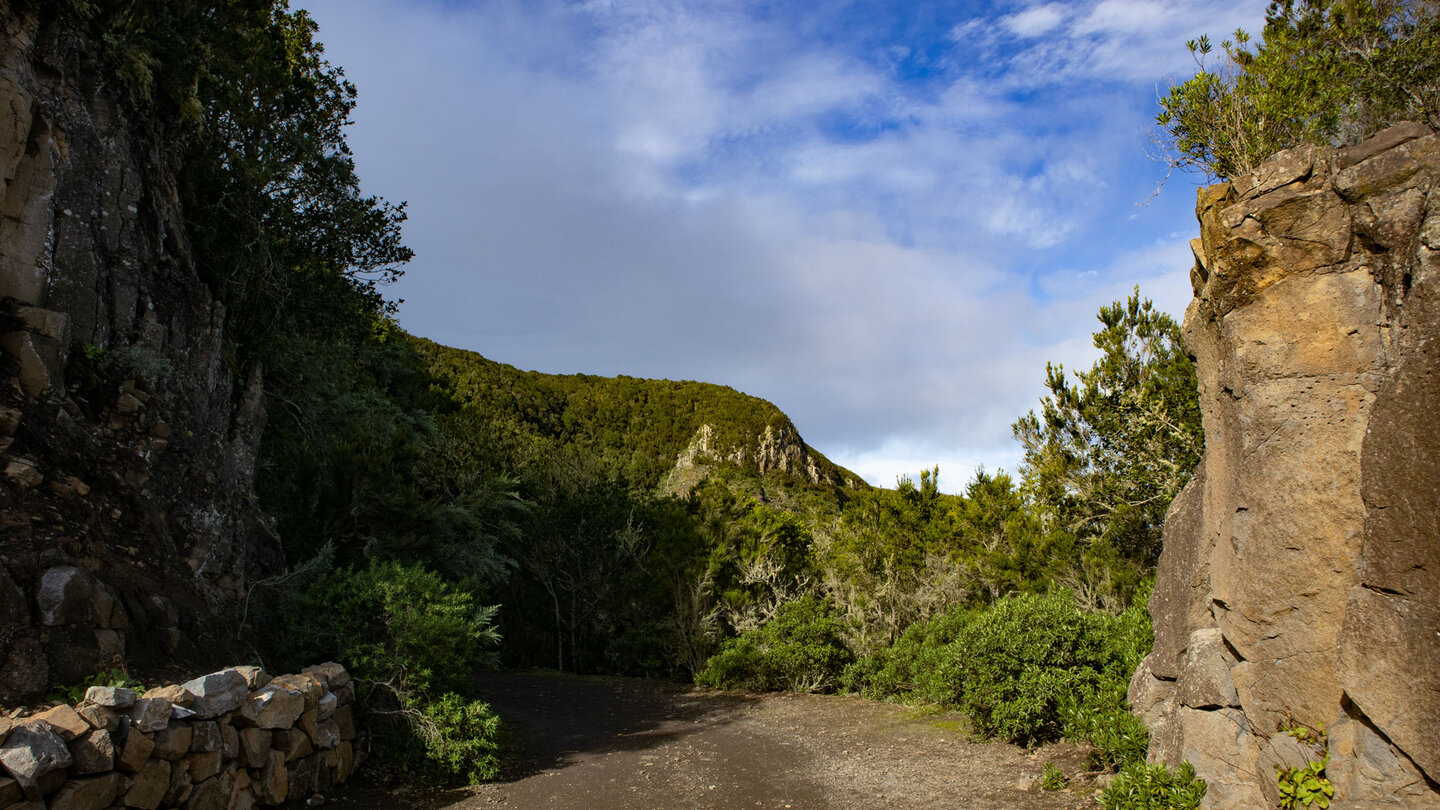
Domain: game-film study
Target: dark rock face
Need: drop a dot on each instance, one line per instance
(127, 444)
(1300, 582)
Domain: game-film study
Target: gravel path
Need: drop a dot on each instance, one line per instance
(627, 744)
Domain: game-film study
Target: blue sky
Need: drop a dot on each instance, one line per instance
(884, 217)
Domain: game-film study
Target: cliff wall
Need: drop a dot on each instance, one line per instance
(127, 441)
(1300, 581)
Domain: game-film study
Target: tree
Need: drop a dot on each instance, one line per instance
(1326, 71)
(1111, 448)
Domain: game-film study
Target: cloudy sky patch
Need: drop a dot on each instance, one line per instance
(883, 217)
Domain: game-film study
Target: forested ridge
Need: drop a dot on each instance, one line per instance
(441, 511)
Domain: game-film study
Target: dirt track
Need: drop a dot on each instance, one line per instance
(627, 744)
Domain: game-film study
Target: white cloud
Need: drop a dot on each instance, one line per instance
(1035, 21)
(684, 190)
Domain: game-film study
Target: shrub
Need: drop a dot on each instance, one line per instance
(1053, 778)
(920, 666)
(1153, 787)
(1033, 668)
(411, 640)
(801, 648)
(1326, 72)
(1020, 661)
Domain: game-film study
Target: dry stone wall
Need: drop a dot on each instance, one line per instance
(1300, 580)
(230, 740)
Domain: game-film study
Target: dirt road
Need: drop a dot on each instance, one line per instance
(626, 744)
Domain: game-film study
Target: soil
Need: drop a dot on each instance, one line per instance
(603, 743)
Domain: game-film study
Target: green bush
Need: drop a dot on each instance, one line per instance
(1033, 668)
(919, 667)
(1326, 71)
(410, 639)
(461, 738)
(800, 649)
(398, 625)
(1019, 662)
(1153, 787)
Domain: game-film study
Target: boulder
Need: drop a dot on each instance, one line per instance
(217, 693)
(149, 787)
(94, 793)
(92, 753)
(151, 713)
(330, 674)
(274, 706)
(136, 751)
(111, 697)
(64, 720)
(33, 752)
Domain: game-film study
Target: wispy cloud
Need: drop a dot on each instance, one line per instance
(884, 219)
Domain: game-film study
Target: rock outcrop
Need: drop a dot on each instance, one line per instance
(1300, 581)
(774, 450)
(127, 440)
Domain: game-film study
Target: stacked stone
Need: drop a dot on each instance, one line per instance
(230, 740)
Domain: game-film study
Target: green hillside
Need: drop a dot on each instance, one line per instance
(633, 429)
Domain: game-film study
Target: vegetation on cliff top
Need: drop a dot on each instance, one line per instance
(1325, 72)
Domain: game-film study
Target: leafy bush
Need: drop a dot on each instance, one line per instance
(1034, 668)
(919, 666)
(1020, 661)
(410, 639)
(1326, 72)
(448, 737)
(1153, 787)
(800, 649)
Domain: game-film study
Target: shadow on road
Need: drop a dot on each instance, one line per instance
(558, 719)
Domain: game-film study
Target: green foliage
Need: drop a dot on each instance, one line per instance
(1053, 778)
(1020, 661)
(1305, 786)
(919, 667)
(1139, 786)
(800, 649)
(398, 625)
(1326, 71)
(450, 737)
(1111, 448)
(109, 677)
(1033, 668)
(411, 640)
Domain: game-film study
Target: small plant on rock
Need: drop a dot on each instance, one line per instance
(1306, 785)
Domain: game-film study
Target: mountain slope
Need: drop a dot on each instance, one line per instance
(653, 433)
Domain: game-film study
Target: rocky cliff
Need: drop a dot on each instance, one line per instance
(127, 442)
(773, 450)
(1300, 581)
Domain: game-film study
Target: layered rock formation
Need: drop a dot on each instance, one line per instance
(773, 450)
(127, 441)
(1300, 581)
